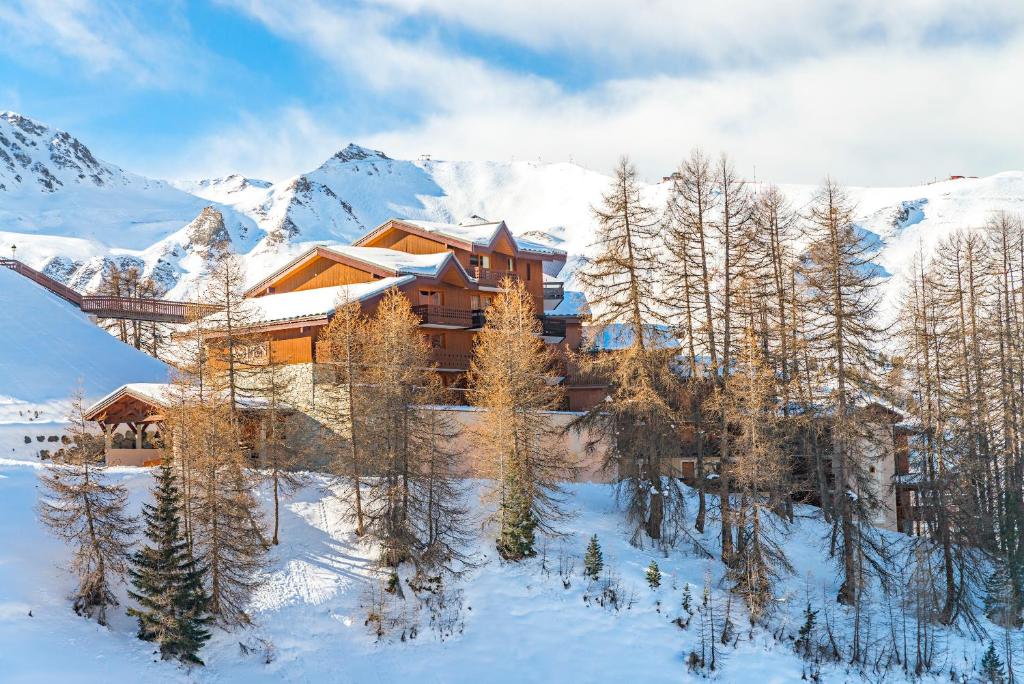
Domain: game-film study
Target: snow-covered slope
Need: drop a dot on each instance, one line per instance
(233, 189)
(506, 622)
(48, 348)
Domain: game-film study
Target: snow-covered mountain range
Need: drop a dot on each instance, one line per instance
(69, 212)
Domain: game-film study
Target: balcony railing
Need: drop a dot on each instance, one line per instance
(553, 290)
(553, 327)
(576, 377)
(450, 359)
(432, 314)
(491, 277)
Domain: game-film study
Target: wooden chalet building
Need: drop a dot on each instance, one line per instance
(449, 272)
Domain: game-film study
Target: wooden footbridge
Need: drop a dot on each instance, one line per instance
(101, 306)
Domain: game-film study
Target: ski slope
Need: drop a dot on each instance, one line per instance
(48, 348)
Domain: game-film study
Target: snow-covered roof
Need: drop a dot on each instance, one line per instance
(393, 260)
(481, 233)
(321, 301)
(156, 393)
(162, 394)
(536, 247)
(390, 261)
(478, 233)
(615, 336)
(574, 304)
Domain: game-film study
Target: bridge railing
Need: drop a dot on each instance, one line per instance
(103, 306)
(54, 286)
(132, 307)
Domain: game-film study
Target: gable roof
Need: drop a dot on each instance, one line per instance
(377, 261)
(159, 395)
(315, 304)
(471, 236)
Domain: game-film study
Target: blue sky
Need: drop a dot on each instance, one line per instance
(872, 91)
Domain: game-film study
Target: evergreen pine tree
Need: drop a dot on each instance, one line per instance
(167, 582)
(687, 600)
(653, 575)
(517, 536)
(806, 634)
(593, 561)
(998, 602)
(991, 666)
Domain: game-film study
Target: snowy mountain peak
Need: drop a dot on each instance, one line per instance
(35, 156)
(207, 231)
(234, 182)
(358, 153)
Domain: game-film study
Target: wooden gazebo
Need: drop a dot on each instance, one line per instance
(140, 408)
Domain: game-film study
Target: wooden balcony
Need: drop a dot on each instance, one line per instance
(576, 377)
(432, 315)
(552, 327)
(490, 277)
(450, 360)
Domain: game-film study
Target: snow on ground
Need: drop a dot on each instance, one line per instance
(48, 348)
(517, 623)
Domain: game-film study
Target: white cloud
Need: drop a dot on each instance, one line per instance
(103, 36)
(288, 142)
(360, 42)
(872, 117)
(723, 32)
(883, 91)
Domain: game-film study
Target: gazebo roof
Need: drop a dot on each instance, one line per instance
(132, 403)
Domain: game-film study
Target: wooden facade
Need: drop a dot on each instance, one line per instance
(451, 302)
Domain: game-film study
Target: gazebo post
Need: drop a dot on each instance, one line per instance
(108, 440)
(134, 427)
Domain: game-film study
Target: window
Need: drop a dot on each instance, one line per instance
(432, 297)
(511, 264)
(437, 341)
(528, 274)
(480, 260)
